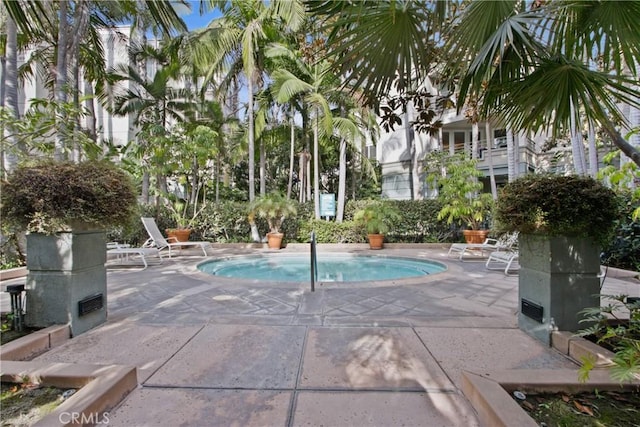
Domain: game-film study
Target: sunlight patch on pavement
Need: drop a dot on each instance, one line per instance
(224, 297)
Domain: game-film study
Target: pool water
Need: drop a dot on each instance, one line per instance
(331, 268)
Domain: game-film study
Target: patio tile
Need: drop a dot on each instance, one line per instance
(477, 350)
(236, 356)
(382, 409)
(145, 346)
(369, 358)
(192, 407)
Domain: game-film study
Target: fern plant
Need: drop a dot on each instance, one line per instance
(616, 332)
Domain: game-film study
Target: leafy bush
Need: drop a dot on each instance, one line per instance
(274, 208)
(225, 222)
(51, 196)
(622, 335)
(624, 250)
(331, 232)
(558, 205)
(377, 217)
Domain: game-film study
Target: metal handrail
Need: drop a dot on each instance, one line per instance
(314, 262)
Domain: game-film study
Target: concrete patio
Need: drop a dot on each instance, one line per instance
(216, 351)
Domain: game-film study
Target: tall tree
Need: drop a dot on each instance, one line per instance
(233, 43)
(495, 48)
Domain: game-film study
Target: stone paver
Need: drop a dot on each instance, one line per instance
(218, 351)
(369, 358)
(382, 409)
(152, 407)
(480, 350)
(236, 356)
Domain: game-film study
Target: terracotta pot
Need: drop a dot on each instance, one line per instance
(376, 241)
(181, 234)
(475, 236)
(274, 240)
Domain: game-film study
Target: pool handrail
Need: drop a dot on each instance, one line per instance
(314, 261)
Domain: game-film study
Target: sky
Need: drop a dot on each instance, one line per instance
(194, 20)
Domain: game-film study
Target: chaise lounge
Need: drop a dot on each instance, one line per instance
(503, 243)
(502, 257)
(157, 240)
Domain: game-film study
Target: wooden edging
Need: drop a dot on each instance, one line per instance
(490, 393)
(38, 342)
(13, 273)
(101, 388)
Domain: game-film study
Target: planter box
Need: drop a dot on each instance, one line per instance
(101, 388)
(557, 279)
(67, 280)
(13, 273)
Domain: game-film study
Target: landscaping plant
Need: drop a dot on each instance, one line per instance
(613, 330)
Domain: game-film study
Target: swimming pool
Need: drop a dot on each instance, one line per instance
(331, 268)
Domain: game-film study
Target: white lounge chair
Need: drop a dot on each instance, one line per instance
(502, 257)
(122, 252)
(157, 240)
(503, 243)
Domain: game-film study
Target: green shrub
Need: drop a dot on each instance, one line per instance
(331, 232)
(620, 334)
(558, 205)
(50, 196)
(225, 222)
(624, 249)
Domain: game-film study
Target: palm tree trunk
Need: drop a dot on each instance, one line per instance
(492, 175)
(628, 149)
(90, 119)
(291, 154)
(474, 140)
(316, 166)
(342, 180)
(10, 96)
(61, 79)
(409, 137)
(303, 176)
(263, 173)
(577, 147)
(251, 148)
(593, 151)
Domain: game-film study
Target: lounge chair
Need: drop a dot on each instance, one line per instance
(157, 240)
(503, 243)
(502, 257)
(122, 252)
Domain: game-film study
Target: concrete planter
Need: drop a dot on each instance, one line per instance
(557, 279)
(67, 280)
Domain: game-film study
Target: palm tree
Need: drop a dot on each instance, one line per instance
(529, 82)
(154, 103)
(535, 83)
(315, 87)
(233, 43)
(63, 37)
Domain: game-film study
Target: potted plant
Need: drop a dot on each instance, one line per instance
(460, 192)
(563, 221)
(274, 208)
(377, 219)
(65, 208)
(181, 214)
